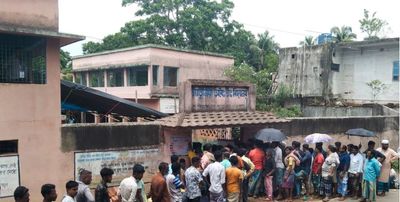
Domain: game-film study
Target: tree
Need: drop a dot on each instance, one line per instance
(263, 53)
(66, 65)
(193, 24)
(246, 73)
(377, 88)
(343, 34)
(263, 80)
(372, 25)
(308, 41)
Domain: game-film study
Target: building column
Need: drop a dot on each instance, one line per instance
(105, 79)
(161, 76)
(125, 77)
(83, 117)
(87, 78)
(97, 118)
(125, 119)
(110, 118)
(150, 75)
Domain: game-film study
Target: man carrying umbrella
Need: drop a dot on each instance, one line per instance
(390, 155)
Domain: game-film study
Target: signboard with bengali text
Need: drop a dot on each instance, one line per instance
(210, 98)
(9, 175)
(121, 162)
(180, 144)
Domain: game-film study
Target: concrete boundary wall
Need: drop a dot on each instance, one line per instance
(80, 137)
(386, 127)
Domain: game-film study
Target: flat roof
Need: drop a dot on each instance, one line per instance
(155, 46)
(363, 43)
(65, 38)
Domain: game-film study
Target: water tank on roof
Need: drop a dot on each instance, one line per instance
(324, 38)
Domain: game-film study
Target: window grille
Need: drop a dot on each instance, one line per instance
(80, 78)
(8, 146)
(115, 78)
(22, 59)
(170, 76)
(96, 78)
(155, 75)
(395, 70)
(138, 76)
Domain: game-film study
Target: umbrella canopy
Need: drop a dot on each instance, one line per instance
(317, 137)
(360, 132)
(270, 135)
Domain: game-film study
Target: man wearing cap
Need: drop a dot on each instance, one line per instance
(21, 194)
(383, 180)
(84, 194)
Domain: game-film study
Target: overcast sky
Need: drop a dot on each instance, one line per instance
(288, 20)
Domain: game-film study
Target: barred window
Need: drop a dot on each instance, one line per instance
(8, 146)
(137, 76)
(96, 78)
(115, 78)
(80, 78)
(170, 76)
(22, 59)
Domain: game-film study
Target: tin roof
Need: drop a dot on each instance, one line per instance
(220, 119)
(78, 97)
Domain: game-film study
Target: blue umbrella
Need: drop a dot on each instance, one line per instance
(270, 135)
(360, 132)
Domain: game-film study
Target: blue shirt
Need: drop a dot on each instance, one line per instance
(306, 161)
(344, 159)
(372, 169)
(226, 163)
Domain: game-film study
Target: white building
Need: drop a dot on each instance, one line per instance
(343, 70)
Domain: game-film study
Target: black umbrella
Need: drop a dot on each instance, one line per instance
(270, 135)
(360, 132)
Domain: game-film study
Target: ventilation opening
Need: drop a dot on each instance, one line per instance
(293, 56)
(8, 147)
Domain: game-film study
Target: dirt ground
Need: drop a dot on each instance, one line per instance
(392, 196)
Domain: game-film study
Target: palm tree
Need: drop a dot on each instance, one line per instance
(308, 41)
(343, 34)
(267, 43)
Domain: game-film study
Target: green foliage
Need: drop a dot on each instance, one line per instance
(293, 111)
(263, 54)
(377, 87)
(396, 165)
(66, 65)
(343, 34)
(193, 24)
(308, 41)
(263, 80)
(372, 25)
(65, 61)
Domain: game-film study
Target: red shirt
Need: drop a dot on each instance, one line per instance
(257, 156)
(318, 161)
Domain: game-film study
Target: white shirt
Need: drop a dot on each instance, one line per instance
(278, 158)
(127, 189)
(84, 194)
(68, 199)
(331, 161)
(217, 176)
(174, 193)
(356, 163)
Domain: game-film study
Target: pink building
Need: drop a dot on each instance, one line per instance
(30, 138)
(149, 74)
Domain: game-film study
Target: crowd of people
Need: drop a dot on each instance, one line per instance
(234, 173)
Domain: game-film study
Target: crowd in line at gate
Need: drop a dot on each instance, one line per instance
(233, 173)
